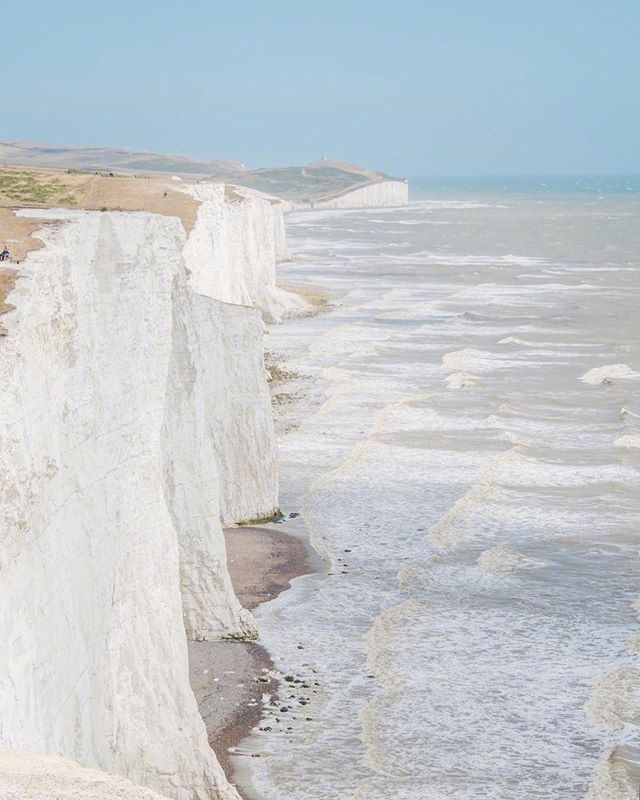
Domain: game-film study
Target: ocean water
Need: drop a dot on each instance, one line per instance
(462, 440)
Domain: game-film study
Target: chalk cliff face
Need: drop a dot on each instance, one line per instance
(282, 250)
(234, 247)
(126, 396)
(383, 194)
(231, 255)
(241, 428)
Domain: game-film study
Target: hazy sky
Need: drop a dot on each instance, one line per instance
(416, 87)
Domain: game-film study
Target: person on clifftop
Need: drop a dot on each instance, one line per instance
(5, 255)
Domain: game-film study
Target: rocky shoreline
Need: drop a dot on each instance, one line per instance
(232, 679)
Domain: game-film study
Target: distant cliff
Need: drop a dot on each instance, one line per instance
(234, 247)
(326, 184)
(381, 194)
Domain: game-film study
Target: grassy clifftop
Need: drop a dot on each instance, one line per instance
(22, 187)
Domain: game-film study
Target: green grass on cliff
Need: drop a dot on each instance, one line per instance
(300, 183)
(29, 187)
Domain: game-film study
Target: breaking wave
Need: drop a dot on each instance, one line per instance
(610, 374)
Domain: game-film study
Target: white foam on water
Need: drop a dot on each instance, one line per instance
(502, 558)
(463, 359)
(460, 380)
(629, 441)
(478, 507)
(455, 205)
(515, 340)
(610, 374)
(460, 260)
(416, 414)
(615, 699)
(471, 359)
(521, 471)
(612, 779)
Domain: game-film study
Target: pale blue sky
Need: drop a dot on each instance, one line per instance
(416, 88)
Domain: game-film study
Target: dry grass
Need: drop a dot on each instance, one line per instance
(27, 187)
(22, 187)
(17, 234)
(231, 194)
(7, 282)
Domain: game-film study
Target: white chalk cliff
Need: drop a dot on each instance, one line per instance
(235, 246)
(135, 415)
(379, 194)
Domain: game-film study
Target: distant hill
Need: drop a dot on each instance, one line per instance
(297, 184)
(122, 159)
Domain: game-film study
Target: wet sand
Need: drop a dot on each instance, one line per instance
(228, 678)
(262, 562)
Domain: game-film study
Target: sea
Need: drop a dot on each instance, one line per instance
(459, 433)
